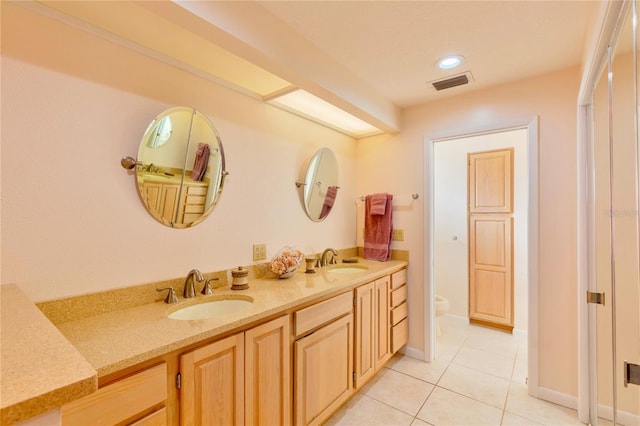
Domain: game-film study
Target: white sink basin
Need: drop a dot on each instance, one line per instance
(351, 269)
(211, 309)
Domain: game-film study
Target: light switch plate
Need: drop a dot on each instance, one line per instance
(397, 235)
(259, 252)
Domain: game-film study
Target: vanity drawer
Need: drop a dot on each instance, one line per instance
(321, 313)
(399, 335)
(399, 313)
(194, 208)
(129, 399)
(398, 296)
(398, 278)
(197, 190)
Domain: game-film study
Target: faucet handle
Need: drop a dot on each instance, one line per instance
(171, 296)
(206, 288)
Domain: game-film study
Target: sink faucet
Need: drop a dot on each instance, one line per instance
(189, 287)
(324, 261)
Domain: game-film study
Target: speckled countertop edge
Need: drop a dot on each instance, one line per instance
(113, 341)
(40, 369)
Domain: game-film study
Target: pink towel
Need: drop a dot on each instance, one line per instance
(378, 204)
(201, 162)
(377, 230)
(329, 199)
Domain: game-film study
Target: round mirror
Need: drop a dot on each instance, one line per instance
(181, 167)
(320, 184)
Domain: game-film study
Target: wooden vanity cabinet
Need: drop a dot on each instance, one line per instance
(399, 310)
(241, 379)
(139, 399)
(372, 344)
(323, 359)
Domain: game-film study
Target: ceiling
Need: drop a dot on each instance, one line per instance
(369, 58)
(393, 45)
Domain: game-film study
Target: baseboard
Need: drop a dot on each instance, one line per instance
(519, 332)
(625, 418)
(457, 318)
(559, 398)
(412, 352)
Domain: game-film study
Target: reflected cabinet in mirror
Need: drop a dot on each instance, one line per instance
(320, 186)
(180, 167)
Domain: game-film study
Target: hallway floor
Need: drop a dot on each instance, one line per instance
(477, 378)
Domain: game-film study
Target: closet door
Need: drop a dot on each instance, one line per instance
(615, 247)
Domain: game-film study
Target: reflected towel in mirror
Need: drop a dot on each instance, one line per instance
(201, 162)
(329, 199)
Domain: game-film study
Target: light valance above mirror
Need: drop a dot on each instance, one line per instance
(180, 167)
(320, 185)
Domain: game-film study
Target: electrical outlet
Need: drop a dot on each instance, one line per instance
(259, 252)
(397, 235)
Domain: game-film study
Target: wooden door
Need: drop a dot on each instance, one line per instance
(491, 238)
(365, 320)
(383, 321)
(268, 374)
(323, 371)
(212, 390)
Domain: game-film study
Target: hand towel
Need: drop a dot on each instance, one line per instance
(201, 162)
(378, 204)
(377, 230)
(329, 199)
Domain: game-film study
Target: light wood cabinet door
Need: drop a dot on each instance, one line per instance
(382, 351)
(490, 270)
(212, 390)
(490, 181)
(268, 374)
(365, 333)
(323, 371)
(134, 399)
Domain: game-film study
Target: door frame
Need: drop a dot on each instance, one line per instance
(531, 124)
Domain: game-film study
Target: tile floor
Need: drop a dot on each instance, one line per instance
(477, 378)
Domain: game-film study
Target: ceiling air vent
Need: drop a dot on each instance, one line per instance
(454, 81)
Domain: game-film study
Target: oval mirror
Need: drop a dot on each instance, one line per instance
(320, 184)
(181, 167)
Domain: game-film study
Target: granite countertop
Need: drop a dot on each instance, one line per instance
(44, 366)
(116, 340)
(40, 369)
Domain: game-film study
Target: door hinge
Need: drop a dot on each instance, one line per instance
(631, 374)
(354, 304)
(595, 297)
(178, 380)
(354, 378)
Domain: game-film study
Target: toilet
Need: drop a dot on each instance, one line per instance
(442, 307)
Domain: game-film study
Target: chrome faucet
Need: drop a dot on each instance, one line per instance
(189, 286)
(323, 259)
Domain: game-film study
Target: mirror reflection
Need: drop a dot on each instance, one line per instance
(320, 185)
(180, 167)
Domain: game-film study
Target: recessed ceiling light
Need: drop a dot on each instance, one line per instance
(450, 61)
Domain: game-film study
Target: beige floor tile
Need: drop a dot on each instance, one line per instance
(509, 419)
(448, 408)
(418, 422)
(520, 370)
(520, 403)
(496, 342)
(480, 386)
(485, 362)
(361, 410)
(427, 371)
(398, 390)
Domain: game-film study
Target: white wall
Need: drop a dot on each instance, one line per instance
(72, 223)
(451, 273)
(395, 163)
